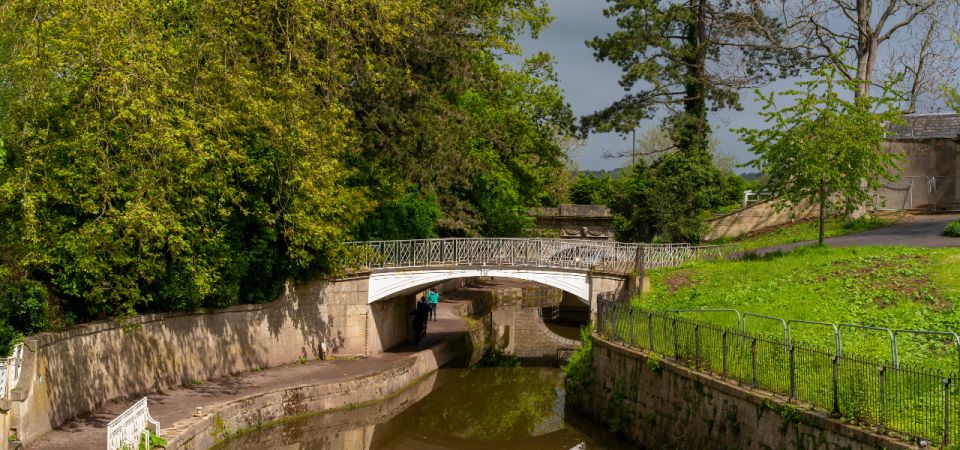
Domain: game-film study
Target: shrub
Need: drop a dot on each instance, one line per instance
(577, 368)
(952, 229)
(864, 224)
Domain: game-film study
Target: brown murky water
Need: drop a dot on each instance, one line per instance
(486, 408)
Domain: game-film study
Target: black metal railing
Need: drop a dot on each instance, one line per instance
(915, 403)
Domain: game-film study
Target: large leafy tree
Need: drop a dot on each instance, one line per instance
(169, 155)
(827, 147)
(668, 200)
(456, 125)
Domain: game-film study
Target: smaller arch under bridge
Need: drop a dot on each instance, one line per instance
(580, 267)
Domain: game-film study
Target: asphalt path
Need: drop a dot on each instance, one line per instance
(911, 231)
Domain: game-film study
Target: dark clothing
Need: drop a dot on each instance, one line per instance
(420, 316)
(423, 311)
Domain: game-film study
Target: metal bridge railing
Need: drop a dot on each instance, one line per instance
(531, 252)
(917, 403)
(10, 371)
(129, 429)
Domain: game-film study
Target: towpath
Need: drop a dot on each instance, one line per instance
(175, 405)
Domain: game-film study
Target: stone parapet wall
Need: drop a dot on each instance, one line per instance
(757, 217)
(75, 371)
(659, 404)
(592, 222)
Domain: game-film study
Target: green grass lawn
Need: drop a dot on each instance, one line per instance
(806, 231)
(893, 287)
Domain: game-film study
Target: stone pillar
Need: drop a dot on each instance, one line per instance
(4, 423)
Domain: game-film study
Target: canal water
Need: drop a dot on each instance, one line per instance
(482, 408)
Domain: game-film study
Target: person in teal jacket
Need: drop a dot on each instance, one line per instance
(433, 297)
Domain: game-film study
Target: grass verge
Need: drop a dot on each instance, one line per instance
(893, 287)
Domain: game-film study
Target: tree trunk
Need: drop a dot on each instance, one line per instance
(692, 129)
(823, 201)
(866, 48)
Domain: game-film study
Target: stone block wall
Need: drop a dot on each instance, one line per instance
(520, 330)
(757, 217)
(533, 341)
(78, 370)
(920, 160)
(659, 404)
(390, 323)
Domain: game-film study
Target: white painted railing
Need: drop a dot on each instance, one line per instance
(532, 252)
(4, 379)
(129, 429)
(751, 197)
(10, 371)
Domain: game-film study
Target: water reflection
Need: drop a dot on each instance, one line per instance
(502, 408)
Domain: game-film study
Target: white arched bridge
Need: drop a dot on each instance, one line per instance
(582, 268)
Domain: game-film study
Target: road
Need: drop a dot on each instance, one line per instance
(912, 231)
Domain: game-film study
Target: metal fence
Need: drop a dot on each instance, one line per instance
(914, 403)
(933, 193)
(531, 252)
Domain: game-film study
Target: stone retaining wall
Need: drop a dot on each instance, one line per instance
(75, 371)
(757, 217)
(659, 404)
(260, 410)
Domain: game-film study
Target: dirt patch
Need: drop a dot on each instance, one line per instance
(679, 280)
(893, 278)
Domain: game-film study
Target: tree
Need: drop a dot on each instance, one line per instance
(667, 193)
(441, 115)
(592, 190)
(687, 58)
(856, 32)
(174, 155)
(951, 92)
(928, 59)
(825, 148)
(669, 199)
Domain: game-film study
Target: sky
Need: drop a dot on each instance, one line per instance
(590, 85)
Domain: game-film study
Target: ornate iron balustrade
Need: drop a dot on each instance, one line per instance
(129, 429)
(530, 252)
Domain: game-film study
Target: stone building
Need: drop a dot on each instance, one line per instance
(930, 168)
(592, 222)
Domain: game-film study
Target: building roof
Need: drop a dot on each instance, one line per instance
(927, 126)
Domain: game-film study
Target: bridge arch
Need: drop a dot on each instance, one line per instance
(388, 284)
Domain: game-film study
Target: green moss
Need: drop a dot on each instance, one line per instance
(654, 363)
(219, 431)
